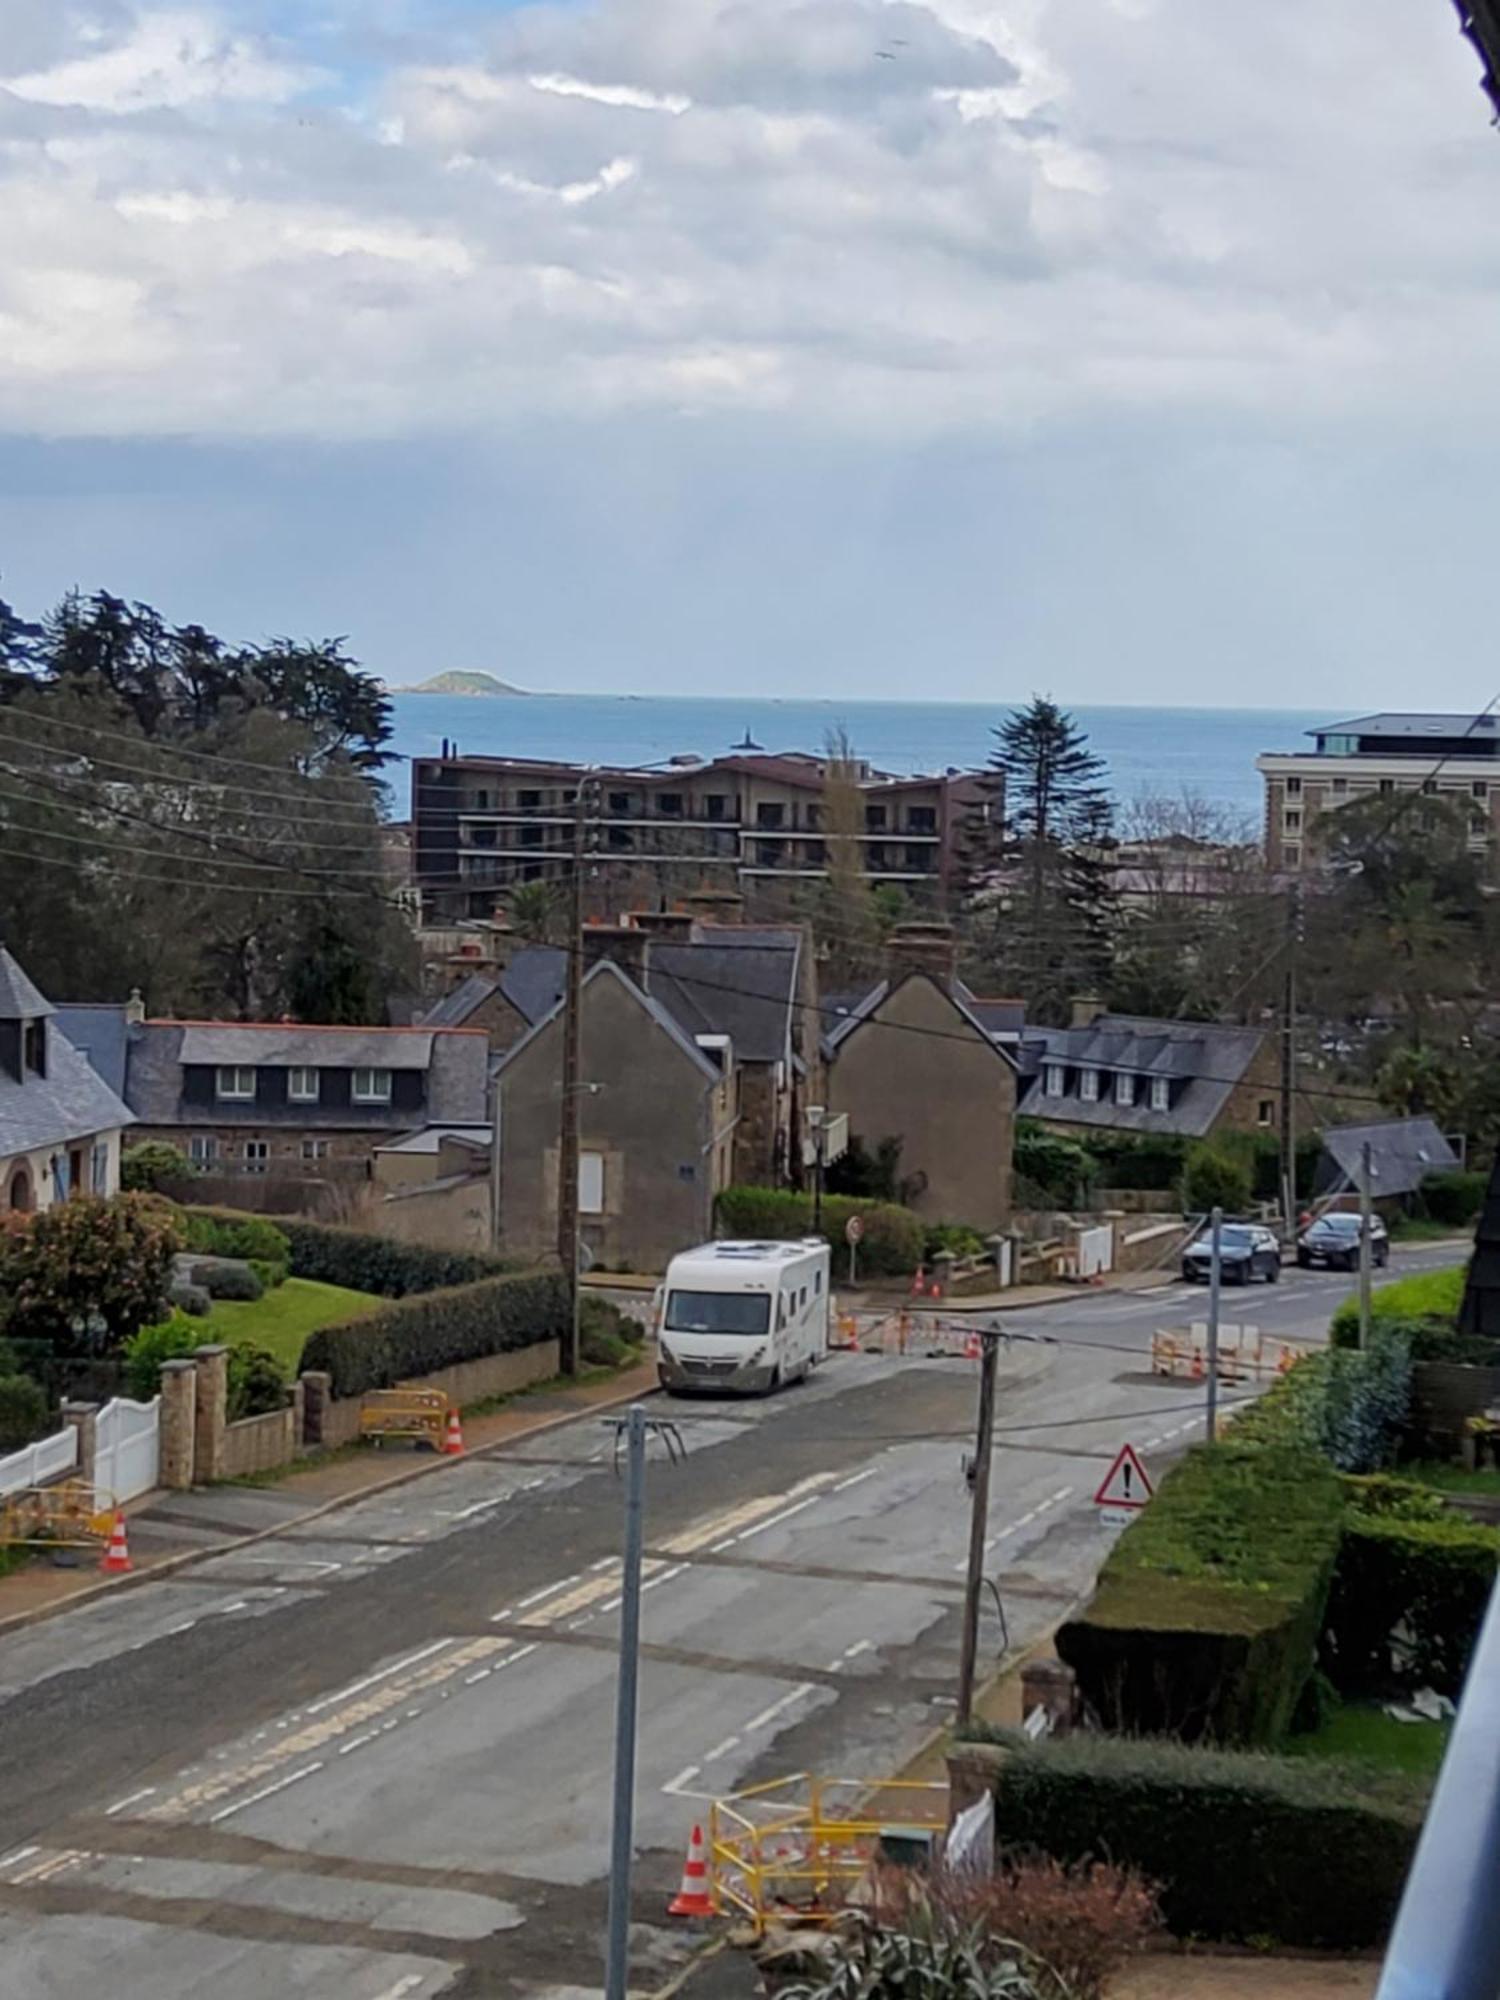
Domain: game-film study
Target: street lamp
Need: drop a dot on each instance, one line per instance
(817, 1120)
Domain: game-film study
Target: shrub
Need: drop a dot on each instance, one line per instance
(956, 1238)
(23, 1411)
(221, 1232)
(1150, 1160)
(1215, 1179)
(147, 1350)
(270, 1275)
(256, 1383)
(225, 1280)
(187, 1298)
(890, 1246)
(1060, 1170)
(1242, 1847)
(85, 1274)
(931, 1958)
(1347, 1407)
(1206, 1616)
(368, 1263)
(417, 1336)
(1427, 1299)
(1413, 1578)
(155, 1167)
(607, 1338)
(1454, 1198)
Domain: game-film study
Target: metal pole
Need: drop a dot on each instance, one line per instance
(978, 1520)
(1216, 1227)
(570, 1112)
(618, 1963)
(1366, 1165)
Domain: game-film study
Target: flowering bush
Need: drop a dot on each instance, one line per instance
(86, 1274)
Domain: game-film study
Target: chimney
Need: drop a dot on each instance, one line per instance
(671, 926)
(621, 942)
(1085, 1011)
(716, 906)
(924, 947)
(135, 1008)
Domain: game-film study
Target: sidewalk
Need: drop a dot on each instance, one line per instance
(169, 1531)
(891, 1299)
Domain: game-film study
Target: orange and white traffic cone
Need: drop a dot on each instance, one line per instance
(973, 1347)
(919, 1282)
(693, 1899)
(453, 1443)
(117, 1556)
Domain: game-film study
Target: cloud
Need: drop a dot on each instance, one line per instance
(910, 218)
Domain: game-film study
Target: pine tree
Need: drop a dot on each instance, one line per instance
(1039, 882)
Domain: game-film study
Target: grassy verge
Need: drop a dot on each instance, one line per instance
(1362, 1735)
(282, 1320)
(1422, 1229)
(1446, 1477)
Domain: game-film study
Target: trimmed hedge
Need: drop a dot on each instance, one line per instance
(1348, 1408)
(224, 1232)
(366, 1263)
(1429, 1300)
(1407, 1563)
(1205, 1621)
(891, 1246)
(1245, 1848)
(438, 1329)
(1455, 1198)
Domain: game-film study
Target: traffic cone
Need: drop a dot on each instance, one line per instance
(919, 1282)
(453, 1443)
(117, 1556)
(693, 1899)
(973, 1347)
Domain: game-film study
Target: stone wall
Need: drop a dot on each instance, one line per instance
(257, 1444)
(336, 1422)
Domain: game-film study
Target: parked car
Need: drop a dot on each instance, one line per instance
(1246, 1251)
(1333, 1240)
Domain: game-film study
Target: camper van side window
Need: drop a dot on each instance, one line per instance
(780, 1311)
(817, 1282)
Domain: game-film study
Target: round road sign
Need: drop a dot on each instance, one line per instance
(854, 1228)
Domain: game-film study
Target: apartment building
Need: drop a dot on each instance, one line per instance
(1379, 754)
(750, 819)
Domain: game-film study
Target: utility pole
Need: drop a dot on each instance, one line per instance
(817, 1117)
(494, 1111)
(1215, 1281)
(568, 1135)
(1289, 1065)
(1366, 1169)
(989, 1359)
(617, 1966)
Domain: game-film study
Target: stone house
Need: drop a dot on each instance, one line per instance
(657, 1109)
(60, 1123)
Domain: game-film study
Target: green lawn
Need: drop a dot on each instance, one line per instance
(1449, 1477)
(1357, 1734)
(282, 1320)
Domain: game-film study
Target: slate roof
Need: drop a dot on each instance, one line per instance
(605, 968)
(1411, 722)
(455, 1008)
(280, 1043)
(1204, 1060)
(533, 981)
(744, 989)
(72, 1101)
(848, 1013)
(432, 1138)
(1005, 1018)
(1403, 1151)
(99, 1033)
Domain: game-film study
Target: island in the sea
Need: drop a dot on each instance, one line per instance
(460, 683)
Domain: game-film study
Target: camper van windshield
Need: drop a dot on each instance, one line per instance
(718, 1312)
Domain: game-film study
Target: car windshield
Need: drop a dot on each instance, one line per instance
(1230, 1238)
(744, 1313)
(1339, 1225)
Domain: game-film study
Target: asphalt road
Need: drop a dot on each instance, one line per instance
(370, 1758)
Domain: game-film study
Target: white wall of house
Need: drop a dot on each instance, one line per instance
(40, 1168)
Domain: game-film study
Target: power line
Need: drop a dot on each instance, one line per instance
(112, 731)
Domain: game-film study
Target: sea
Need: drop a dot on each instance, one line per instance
(1208, 752)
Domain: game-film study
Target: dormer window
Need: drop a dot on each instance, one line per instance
(1161, 1093)
(234, 1083)
(1088, 1085)
(1125, 1089)
(1052, 1080)
(36, 1047)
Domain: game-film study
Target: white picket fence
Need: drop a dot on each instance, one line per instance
(35, 1464)
(127, 1448)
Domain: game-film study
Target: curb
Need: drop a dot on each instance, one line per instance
(174, 1565)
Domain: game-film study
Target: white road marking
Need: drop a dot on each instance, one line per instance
(868, 1473)
(479, 1507)
(537, 1595)
(402, 1987)
(20, 1854)
(769, 1714)
(238, 1605)
(173, 1630)
(482, 1675)
(265, 1792)
(131, 1799)
(735, 1519)
(860, 1646)
(684, 1776)
(777, 1519)
(723, 1749)
(358, 1687)
(519, 1654)
(719, 1547)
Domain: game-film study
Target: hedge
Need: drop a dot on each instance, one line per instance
(1246, 1848)
(350, 1257)
(1428, 1299)
(1455, 1198)
(891, 1245)
(1348, 1408)
(438, 1329)
(1205, 1621)
(1407, 1564)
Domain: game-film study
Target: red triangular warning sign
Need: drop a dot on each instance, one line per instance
(1125, 1484)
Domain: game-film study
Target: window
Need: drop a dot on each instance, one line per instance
(591, 1183)
(714, 805)
(1052, 1080)
(372, 1086)
(235, 1083)
(814, 853)
(875, 854)
(814, 817)
(1161, 1093)
(767, 854)
(482, 801)
(203, 1149)
(747, 1313)
(99, 1167)
(874, 819)
(1429, 788)
(315, 1149)
(302, 1086)
(619, 802)
(619, 837)
(770, 815)
(482, 836)
(1088, 1085)
(1479, 789)
(1294, 788)
(1265, 1111)
(1293, 856)
(1340, 787)
(669, 803)
(36, 1047)
(922, 819)
(917, 860)
(531, 836)
(1294, 822)
(1388, 784)
(528, 801)
(257, 1153)
(1125, 1088)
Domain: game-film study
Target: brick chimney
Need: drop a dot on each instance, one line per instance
(1085, 1010)
(671, 926)
(135, 1008)
(622, 942)
(716, 906)
(924, 947)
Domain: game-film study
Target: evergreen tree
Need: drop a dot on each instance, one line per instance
(1039, 884)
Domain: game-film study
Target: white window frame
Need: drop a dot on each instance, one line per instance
(99, 1167)
(315, 1149)
(230, 1086)
(1161, 1093)
(203, 1149)
(1124, 1089)
(370, 1086)
(591, 1183)
(1054, 1079)
(257, 1156)
(1088, 1085)
(297, 1084)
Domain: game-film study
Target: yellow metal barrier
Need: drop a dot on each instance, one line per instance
(70, 1515)
(401, 1412)
(798, 1849)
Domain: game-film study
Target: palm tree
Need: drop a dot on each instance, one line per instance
(535, 912)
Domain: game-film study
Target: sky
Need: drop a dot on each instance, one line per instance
(1142, 350)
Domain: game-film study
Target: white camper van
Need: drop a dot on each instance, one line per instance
(743, 1315)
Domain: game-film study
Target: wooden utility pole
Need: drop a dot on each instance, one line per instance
(1289, 1065)
(984, 1441)
(569, 1112)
